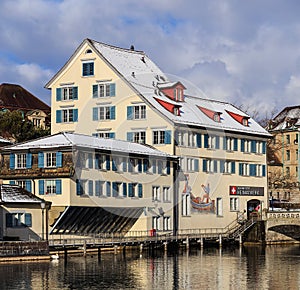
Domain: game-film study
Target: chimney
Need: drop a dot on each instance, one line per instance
(132, 47)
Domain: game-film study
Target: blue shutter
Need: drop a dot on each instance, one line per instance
(198, 140)
(159, 167)
(253, 146)
(75, 115)
(12, 161)
(12, 182)
(264, 170)
(130, 167)
(196, 165)
(140, 166)
(168, 135)
(130, 190)
(235, 144)
(145, 165)
(124, 190)
(222, 163)
(58, 186)
(114, 165)
(264, 147)
(217, 142)
(112, 113)
(176, 137)
(90, 160)
(91, 187)
(58, 159)
(115, 189)
(41, 187)
(129, 112)
(9, 220)
(58, 116)
(240, 168)
(79, 189)
(140, 190)
(28, 160)
(97, 156)
(95, 91)
(243, 145)
(215, 166)
(204, 165)
(58, 94)
(224, 143)
(154, 166)
(124, 167)
(112, 135)
(40, 160)
(108, 188)
(232, 167)
(107, 162)
(130, 136)
(75, 93)
(97, 187)
(28, 219)
(168, 167)
(112, 90)
(205, 140)
(95, 114)
(252, 169)
(28, 185)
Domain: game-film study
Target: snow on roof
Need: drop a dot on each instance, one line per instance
(287, 118)
(16, 194)
(146, 77)
(65, 139)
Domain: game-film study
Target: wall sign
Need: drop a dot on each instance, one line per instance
(246, 190)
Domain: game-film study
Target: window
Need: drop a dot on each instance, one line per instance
(135, 165)
(192, 164)
(102, 161)
(178, 94)
(166, 194)
(136, 112)
(245, 145)
(211, 141)
(155, 193)
(66, 93)
(99, 187)
(288, 139)
(219, 206)
(137, 137)
(156, 223)
(192, 139)
(244, 169)
(297, 154)
(36, 122)
(180, 138)
(287, 171)
(104, 113)
(51, 159)
(288, 155)
(104, 135)
(104, 90)
(21, 161)
(161, 137)
(230, 144)
(116, 187)
(210, 166)
(87, 69)
(51, 186)
(227, 167)
(26, 184)
(67, 116)
(186, 201)
(19, 219)
(217, 117)
(234, 204)
(166, 223)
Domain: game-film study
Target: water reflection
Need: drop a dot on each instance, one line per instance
(208, 268)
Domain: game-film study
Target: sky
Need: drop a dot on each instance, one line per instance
(246, 52)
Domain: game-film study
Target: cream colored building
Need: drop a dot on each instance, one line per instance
(112, 92)
(284, 180)
(95, 185)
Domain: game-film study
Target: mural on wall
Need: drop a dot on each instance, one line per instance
(203, 202)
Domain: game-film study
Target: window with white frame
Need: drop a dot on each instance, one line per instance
(88, 68)
(18, 219)
(166, 223)
(68, 115)
(104, 90)
(230, 143)
(228, 167)
(36, 122)
(156, 222)
(99, 187)
(104, 113)
(247, 146)
(67, 93)
(192, 164)
(100, 161)
(21, 161)
(50, 159)
(180, 138)
(156, 193)
(139, 137)
(21, 183)
(166, 194)
(244, 169)
(50, 186)
(159, 137)
(191, 139)
(234, 204)
(186, 205)
(139, 112)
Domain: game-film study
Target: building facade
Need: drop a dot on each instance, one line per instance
(95, 185)
(283, 157)
(110, 92)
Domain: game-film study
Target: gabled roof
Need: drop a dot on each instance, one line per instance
(146, 78)
(15, 97)
(16, 194)
(67, 140)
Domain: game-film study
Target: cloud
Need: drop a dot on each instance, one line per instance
(235, 51)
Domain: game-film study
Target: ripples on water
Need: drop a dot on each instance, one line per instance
(276, 267)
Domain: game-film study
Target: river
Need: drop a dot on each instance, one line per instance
(271, 267)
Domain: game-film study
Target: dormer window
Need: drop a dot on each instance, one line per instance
(176, 111)
(172, 108)
(215, 116)
(244, 120)
(178, 94)
(173, 91)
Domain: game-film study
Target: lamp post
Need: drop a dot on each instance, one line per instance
(43, 205)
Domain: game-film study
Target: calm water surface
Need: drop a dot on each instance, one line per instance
(272, 267)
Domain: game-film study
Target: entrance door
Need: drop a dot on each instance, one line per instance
(253, 208)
